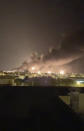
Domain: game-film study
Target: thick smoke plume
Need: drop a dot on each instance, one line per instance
(70, 51)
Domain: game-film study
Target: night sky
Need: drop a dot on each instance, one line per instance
(27, 26)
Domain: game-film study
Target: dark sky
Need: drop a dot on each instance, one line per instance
(35, 25)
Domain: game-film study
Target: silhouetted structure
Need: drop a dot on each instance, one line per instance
(35, 109)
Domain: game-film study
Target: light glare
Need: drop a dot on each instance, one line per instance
(78, 82)
(33, 68)
(39, 72)
(49, 72)
(62, 72)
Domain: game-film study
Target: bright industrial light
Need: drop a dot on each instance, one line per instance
(21, 77)
(62, 72)
(39, 72)
(78, 82)
(49, 72)
(33, 68)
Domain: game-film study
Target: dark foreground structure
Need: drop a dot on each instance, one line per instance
(39, 109)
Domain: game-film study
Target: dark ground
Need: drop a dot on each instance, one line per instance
(39, 109)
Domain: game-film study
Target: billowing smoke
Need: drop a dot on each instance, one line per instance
(70, 51)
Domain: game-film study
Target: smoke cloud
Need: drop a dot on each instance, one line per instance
(71, 50)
